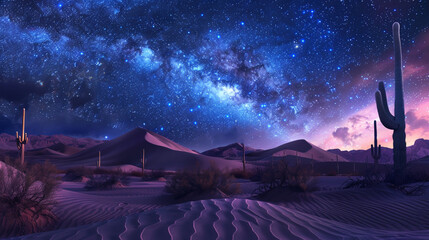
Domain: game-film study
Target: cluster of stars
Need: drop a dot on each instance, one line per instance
(201, 74)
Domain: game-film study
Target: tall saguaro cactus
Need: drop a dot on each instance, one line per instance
(23, 139)
(397, 122)
(375, 152)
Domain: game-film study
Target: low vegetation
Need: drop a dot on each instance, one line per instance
(413, 181)
(199, 181)
(107, 181)
(78, 174)
(373, 176)
(26, 198)
(282, 176)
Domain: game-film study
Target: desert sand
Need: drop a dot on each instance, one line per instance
(143, 210)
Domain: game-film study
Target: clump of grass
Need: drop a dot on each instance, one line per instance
(26, 198)
(414, 180)
(372, 177)
(153, 175)
(282, 176)
(78, 174)
(201, 181)
(108, 181)
(249, 174)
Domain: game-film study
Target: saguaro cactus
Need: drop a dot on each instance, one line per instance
(142, 160)
(23, 139)
(99, 159)
(244, 159)
(338, 166)
(296, 159)
(375, 152)
(397, 122)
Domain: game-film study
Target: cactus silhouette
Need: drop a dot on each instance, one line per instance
(142, 160)
(244, 159)
(338, 166)
(22, 140)
(375, 152)
(397, 122)
(99, 159)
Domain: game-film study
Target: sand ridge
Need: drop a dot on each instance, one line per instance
(224, 219)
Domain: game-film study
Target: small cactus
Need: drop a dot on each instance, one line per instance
(22, 140)
(244, 159)
(142, 160)
(354, 167)
(312, 163)
(375, 152)
(296, 153)
(99, 159)
(338, 166)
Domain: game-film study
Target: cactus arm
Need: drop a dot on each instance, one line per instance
(386, 118)
(384, 99)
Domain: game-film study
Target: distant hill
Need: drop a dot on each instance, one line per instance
(418, 150)
(299, 149)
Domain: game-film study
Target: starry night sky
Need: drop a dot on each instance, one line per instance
(207, 73)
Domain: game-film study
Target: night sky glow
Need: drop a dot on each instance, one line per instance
(208, 73)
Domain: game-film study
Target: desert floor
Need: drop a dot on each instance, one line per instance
(142, 210)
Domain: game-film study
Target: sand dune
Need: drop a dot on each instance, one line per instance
(225, 219)
(231, 151)
(160, 154)
(65, 149)
(379, 208)
(296, 149)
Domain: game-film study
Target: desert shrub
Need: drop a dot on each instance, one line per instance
(199, 181)
(15, 163)
(26, 199)
(248, 174)
(413, 180)
(411, 174)
(154, 175)
(281, 176)
(107, 171)
(136, 174)
(373, 176)
(78, 174)
(107, 181)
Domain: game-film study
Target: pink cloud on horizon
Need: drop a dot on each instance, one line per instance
(356, 131)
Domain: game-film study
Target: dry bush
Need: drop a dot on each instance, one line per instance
(199, 181)
(154, 175)
(26, 199)
(413, 180)
(78, 174)
(295, 178)
(248, 174)
(109, 181)
(373, 176)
